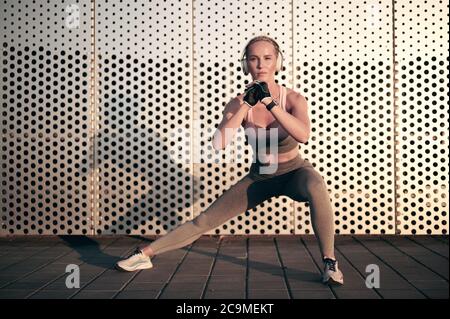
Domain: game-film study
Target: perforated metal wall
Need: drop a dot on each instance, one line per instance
(343, 65)
(45, 117)
(145, 82)
(108, 108)
(422, 130)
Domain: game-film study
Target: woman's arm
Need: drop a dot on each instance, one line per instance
(234, 114)
(296, 124)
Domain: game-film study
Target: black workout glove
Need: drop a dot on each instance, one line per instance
(252, 95)
(264, 92)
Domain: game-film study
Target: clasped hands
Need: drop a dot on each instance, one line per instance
(258, 92)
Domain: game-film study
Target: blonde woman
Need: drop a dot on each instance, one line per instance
(265, 106)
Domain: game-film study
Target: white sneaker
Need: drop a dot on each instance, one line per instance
(137, 260)
(331, 273)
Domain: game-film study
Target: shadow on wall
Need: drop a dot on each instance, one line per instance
(141, 188)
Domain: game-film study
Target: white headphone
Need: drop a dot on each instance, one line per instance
(245, 66)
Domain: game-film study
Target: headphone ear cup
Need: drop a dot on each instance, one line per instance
(279, 62)
(244, 66)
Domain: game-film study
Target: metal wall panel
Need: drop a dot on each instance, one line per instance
(45, 119)
(422, 130)
(343, 65)
(221, 33)
(145, 82)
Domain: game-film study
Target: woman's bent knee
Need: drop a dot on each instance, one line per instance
(314, 184)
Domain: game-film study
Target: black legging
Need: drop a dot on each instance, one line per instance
(296, 179)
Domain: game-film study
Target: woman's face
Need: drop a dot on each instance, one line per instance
(262, 60)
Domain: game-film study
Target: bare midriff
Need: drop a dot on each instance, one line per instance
(284, 157)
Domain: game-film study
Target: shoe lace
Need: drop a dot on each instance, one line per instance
(330, 263)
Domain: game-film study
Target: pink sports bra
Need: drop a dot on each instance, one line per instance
(284, 145)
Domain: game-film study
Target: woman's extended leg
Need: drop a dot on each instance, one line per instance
(240, 197)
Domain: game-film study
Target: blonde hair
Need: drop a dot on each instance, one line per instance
(262, 38)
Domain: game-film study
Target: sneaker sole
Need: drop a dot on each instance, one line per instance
(132, 269)
(333, 282)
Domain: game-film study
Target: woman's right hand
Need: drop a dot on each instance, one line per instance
(252, 95)
(251, 84)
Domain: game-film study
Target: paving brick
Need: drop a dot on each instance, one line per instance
(412, 268)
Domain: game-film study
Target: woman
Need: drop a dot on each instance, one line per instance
(265, 106)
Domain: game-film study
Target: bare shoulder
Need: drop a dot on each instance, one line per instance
(295, 98)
